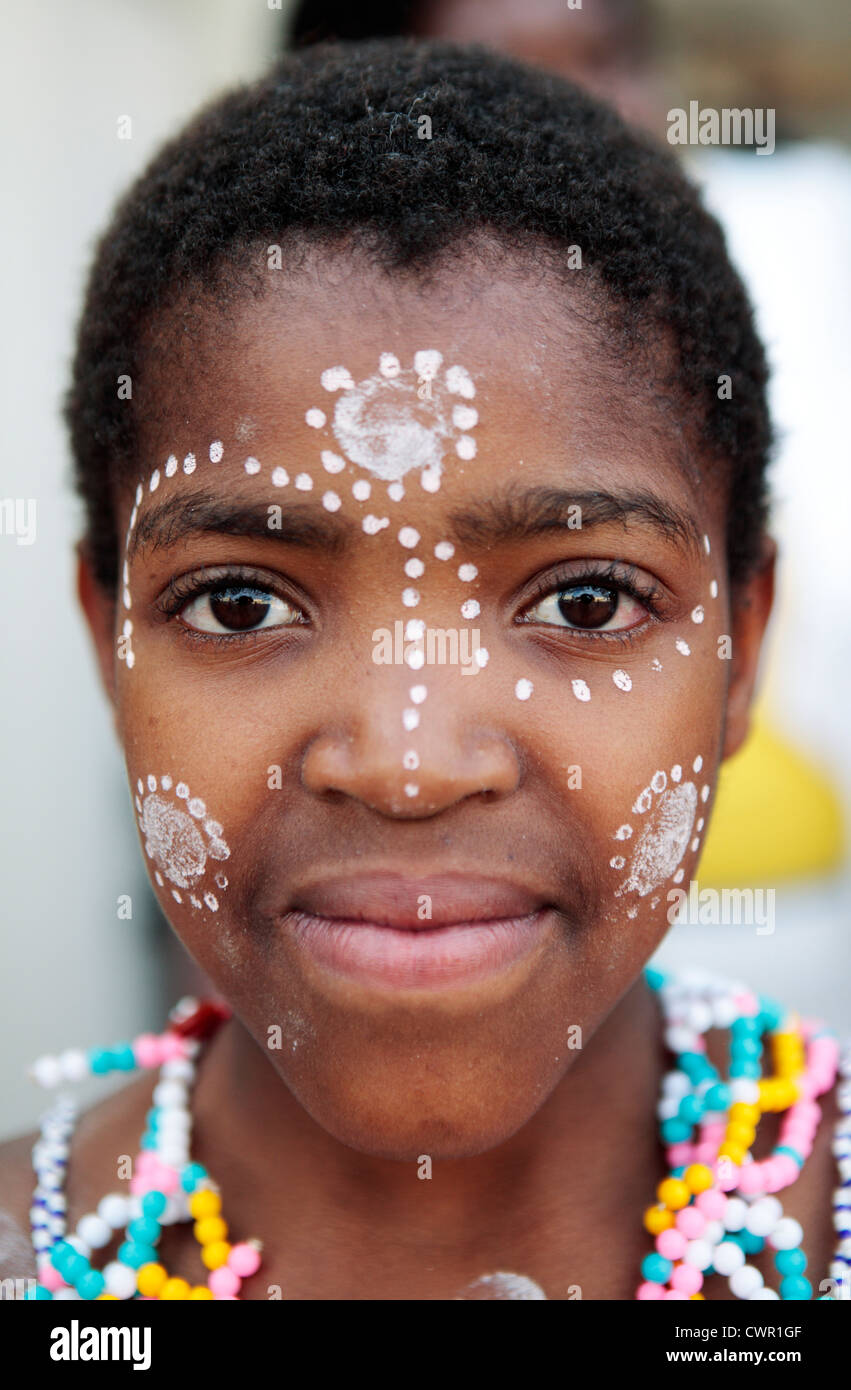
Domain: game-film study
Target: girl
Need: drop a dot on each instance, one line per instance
(438, 372)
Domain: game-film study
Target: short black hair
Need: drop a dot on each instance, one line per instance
(328, 144)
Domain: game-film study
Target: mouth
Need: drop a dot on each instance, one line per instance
(385, 930)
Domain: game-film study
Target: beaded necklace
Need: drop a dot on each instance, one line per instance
(716, 1206)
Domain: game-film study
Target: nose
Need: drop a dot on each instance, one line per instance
(453, 753)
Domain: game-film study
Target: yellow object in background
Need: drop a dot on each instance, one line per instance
(777, 816)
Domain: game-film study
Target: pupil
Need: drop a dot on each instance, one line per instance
(239, 609)
(587, 605)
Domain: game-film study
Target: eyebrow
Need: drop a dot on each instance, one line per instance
(168, 523)
(521, 514)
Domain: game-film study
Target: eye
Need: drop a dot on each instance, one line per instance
(238, 608)
(589, 606)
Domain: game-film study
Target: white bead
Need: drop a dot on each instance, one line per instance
(713, 1232)
(728, 1257)
(113, 1209)
(120, 1280)
(842, 1196)
(175, 1210)
(170, 1093)
(844, 1248)
(46, 1071)
(94, 1231)
(841, 1146)
(699, 1016)
(66, 1294)
(842, 1219)
(174, 1155)
(179, 1120)
(763, 1216)
(698, 1253)
(744, 1282)
(787, 1234)
(762, 1295)
(744, 1089)
(667, 1108)
(73, 1064)
(42, 1240)
(680, 1039)
(178, 1069)
(80, 1244)
(844, 1166)
(734, 1214)
(676, 1084)
(724, 1012)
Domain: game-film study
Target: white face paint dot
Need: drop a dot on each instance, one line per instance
(409, 537)
(128, 627)
(411, 789)
(337, 379)
(155, 480)
(676, 772)
(212, 827)
(418, 693)
(170, 466)
(331, 502)
(166, 782)
(459, 383)
(196, 808)
(700, 824)
(659, 781)
(632, 913)
(280, 477)
(159, 878)
(212, 901)
(411, 760)
(304, 482)
(140, 786)
(216, 451)
(655, 664)
(410, 719)
(682, 646)
(140, 493)
(695, 844)
(580, 690)
(622, 680)
(388, 365)
(131, 660)
(430, 479)
(332, 463)
(414, 629)
(704, 793)
(315, 418)
(713, 588)
(679, 876)
(414, 568)
(623, 832)
(252, 466)
(707, 547)
(410, 598)
(470, 608)
(444, 550)
(181, 790)
(523, 689)
(361, 490)
(643, 802)
(698, 763)
(427, 363)
(126, 597)
(415, 659)
(466, 447)
(483, 656)
(467, 573)
(152, 783)
(176, 896)
(373, 524)
(189, 463)
(395, 492)
(618, 862)
(465, 417)
(697, 614)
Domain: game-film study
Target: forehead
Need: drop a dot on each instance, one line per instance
(487, 370)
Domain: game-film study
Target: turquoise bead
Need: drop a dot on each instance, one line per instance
(135, 1255)
(674, 1131)
(717, 1097)
(790, 1261)
(796, 1287)
(122, 1057)
(154, 1204)
(39, 1291)
(655, 978)
(76, 1266)
(148, 1140)
(91, 1284)
(691, 1110)
(793, 1153)
(144, 1230)
(770, 1012)
(750, 1243)
(656, 1269)
(60, 1254)
(749, 1069)
(100, 1060)
(152, 1118)
(192, 1174)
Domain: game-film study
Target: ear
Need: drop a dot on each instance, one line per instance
(750, 609)
(99, 609)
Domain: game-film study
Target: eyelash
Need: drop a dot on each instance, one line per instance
(180, 592)
(621, 577)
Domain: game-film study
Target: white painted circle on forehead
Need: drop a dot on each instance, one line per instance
(444, 550)
(373, 524)
(697, 614)
(280, 477)
(395, 492)
(409, 537)
(252, 466)
(414, 629)
(698, 763)
(580, 690)
(361, 490)
(389, 365)
(467, 573)
(332, 463)
(315, 418)
(459, 382)
(523, 689)
(337, 379)
(410, 598)
(189, 463)
(216, 451)
(410, 719)
(383, 426)
(170, 466)
(682, 646)
(304, 482)
(331, 502)
(465, 417)
(430, 479)
(713, 588)
(418, 693)
(427, 363)
(470, 608)
(466, 447)
(414, 568)
(155, 480)
(676, 773)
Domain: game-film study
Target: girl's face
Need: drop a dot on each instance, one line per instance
(423, 661)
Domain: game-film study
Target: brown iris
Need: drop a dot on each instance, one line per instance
(587, 605)
(239, 609)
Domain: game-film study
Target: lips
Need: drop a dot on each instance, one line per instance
(388, 930)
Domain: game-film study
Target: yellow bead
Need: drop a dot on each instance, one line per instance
(200, 1291)
(740, 1134)
(740, 1113)
(657, 1220)
(697, 1295)
(150, 1279)
(734, 1152)
(205, 1203)
(697, 1177)
(106, 1295)
(210, 1229)
(673, 1193)
(175, 1288)
(215, 1254)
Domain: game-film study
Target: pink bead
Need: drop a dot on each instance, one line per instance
(146, 1050)
(726, 1174)
(225, 1298)
(140, 1183)
(677, 1295)
(713, 1131)
(691, 1222)
(712, 1203)
(752, 1178)
(171, 1046)
(746, 1003)
(678, 1154)
(786, 1169)
(687, 1279)
(223, 1282)
(244, 1259)
(50, 1277)
(167, 1180)
(706, 1153)
(146, 1162)
(650, 1291)
(671, 1243)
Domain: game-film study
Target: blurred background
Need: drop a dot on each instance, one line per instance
(72, 972)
